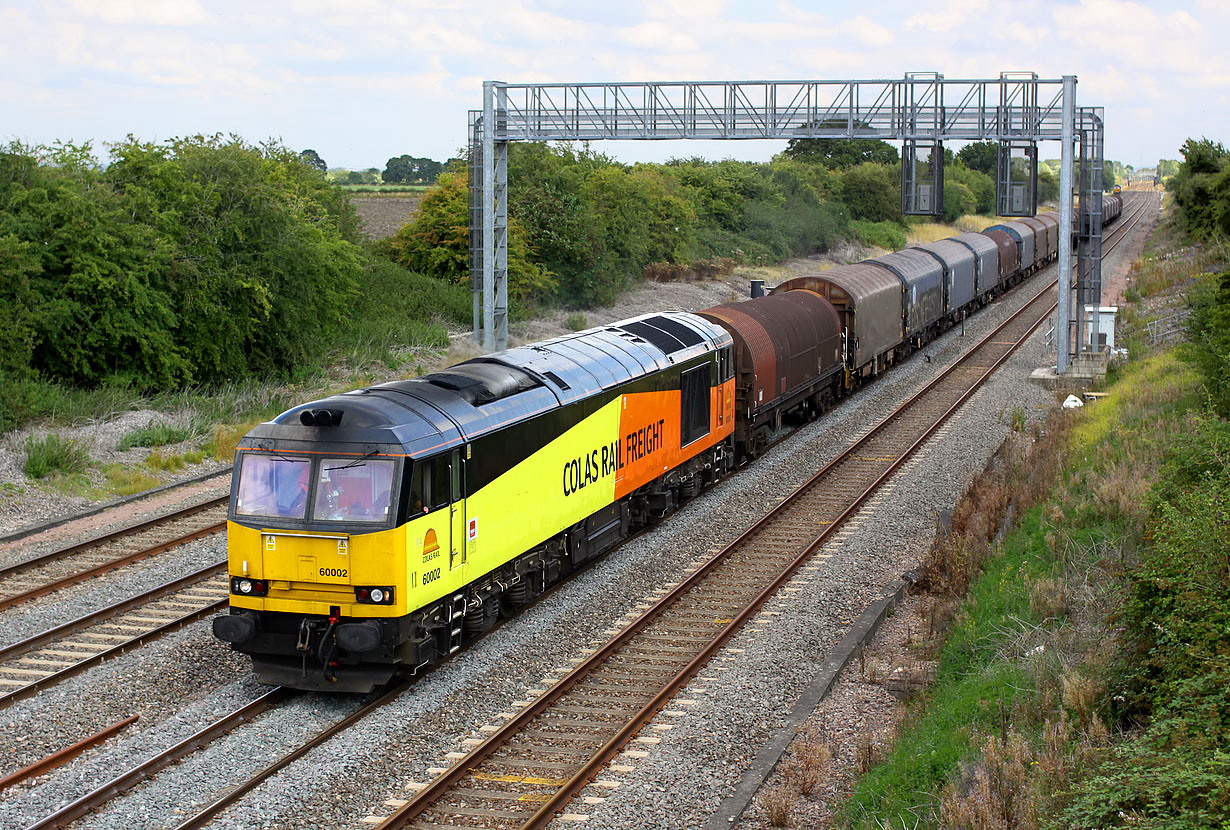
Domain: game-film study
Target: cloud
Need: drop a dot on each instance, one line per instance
(657, 37)
(956, 15)
(142, 12)
(865, 31)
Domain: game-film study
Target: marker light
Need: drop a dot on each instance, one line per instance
(381, 595)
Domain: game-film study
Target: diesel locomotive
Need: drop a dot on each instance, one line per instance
(373, 533)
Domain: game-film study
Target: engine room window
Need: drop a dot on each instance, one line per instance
(273, 485)
(353, 490)
(694, 417)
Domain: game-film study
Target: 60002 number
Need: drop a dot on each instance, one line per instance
(340, 572)
(431, 576)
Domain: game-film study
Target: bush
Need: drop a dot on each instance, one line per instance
(53, 454)
(595, 223)
(1201, 189)
(887, 235)
(959, 200)
(401, 309)
(436, 242)
(980, 186)
(196, 260)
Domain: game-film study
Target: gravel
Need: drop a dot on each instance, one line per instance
(740, 698)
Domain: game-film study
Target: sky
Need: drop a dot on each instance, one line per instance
(360, 81)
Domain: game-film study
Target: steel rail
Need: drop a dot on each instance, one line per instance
(128, 559)
(127, 780)
(425, 798)
(460, 770)
(207, 813)
(36, 686)
(95, 617)
(63, 756)
(110, 536)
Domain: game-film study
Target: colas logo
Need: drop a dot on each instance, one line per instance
(604, 461)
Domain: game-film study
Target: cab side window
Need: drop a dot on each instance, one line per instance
(420, 488)
(441, 482)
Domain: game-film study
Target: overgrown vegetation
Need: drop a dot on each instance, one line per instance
(52, 454)
(1082, 678)
(196, 260)
(1201, 189)
(887, 235)
(153, 435)
(583, 226)
(1208, 344)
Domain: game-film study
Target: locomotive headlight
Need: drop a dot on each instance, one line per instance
(249, 587)
(377, 595)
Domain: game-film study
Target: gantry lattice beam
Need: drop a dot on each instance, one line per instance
(920, 107)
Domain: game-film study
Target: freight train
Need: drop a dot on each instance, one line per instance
(373, 533)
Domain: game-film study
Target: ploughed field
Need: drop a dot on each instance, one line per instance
(382, 216)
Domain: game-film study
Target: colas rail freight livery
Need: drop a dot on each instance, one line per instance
(373, 533)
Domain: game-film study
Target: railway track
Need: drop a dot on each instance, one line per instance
(525, 774)
(41, 575)
(45, 659)
(130, 778)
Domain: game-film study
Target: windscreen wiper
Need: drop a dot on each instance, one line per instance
(358, 462)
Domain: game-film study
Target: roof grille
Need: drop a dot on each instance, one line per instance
(668, 335)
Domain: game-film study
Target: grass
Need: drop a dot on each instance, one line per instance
(52, 454)
(925, 232)
(23, 400)
(122, 480)
(154, 435)
(399, 326)
(975, 223)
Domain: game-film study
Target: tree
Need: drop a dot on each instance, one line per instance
(871, 192)
(1167, 167)
(982, 156)
(1201, 188)
(437, 241)
(312, 159)
(411, 170)
(841, 153)
(980, 185)
(959, 201)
